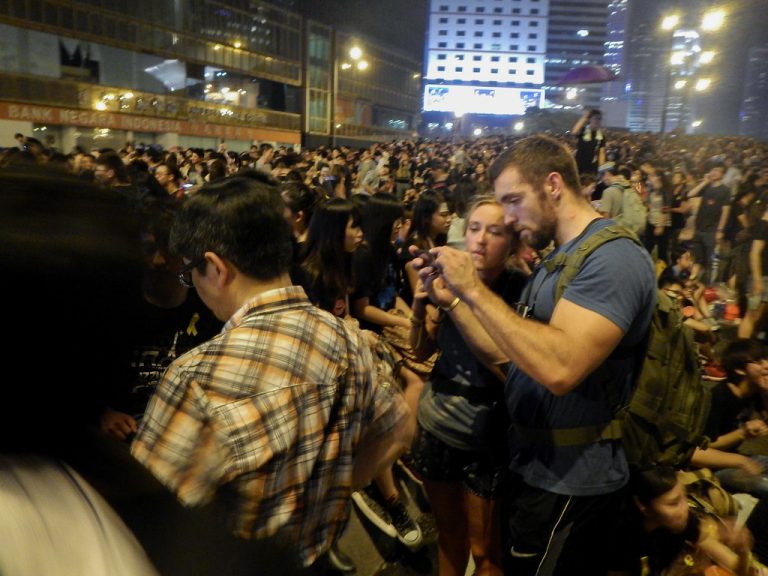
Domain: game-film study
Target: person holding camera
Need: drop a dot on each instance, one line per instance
(564, 497)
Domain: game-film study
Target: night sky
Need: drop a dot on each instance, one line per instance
(403, 23)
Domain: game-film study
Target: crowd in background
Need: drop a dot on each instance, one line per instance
(360, 215)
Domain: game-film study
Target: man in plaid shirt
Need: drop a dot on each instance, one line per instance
(280, 416)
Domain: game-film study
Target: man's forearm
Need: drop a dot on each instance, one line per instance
(477, 338)
(537, 349)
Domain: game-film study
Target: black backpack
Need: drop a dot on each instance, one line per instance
(664, 421)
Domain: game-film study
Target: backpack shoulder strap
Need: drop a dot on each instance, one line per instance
(570, 264)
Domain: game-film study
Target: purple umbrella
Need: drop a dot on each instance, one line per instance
(586, 75)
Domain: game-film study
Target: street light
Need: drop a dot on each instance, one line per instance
(713, 20)
(670, 22)
(706, 57)
(696, 123)
(356, 54)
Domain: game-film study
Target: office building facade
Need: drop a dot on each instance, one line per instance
(753, 118)
(576, 37)
(504, 56)
(182, 72)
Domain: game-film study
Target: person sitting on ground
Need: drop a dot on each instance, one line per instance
(662, 535)
(734, 417)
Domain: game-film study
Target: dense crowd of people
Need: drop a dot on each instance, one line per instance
(306, 325)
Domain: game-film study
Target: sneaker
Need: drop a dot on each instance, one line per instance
(408, 530)
(713, 373)
(340, 562)
(405, 462)
(367, 501)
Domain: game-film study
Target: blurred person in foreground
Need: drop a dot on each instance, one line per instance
(279, 417)
(73, 501)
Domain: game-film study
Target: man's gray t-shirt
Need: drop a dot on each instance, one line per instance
(612, 201)
(618, 282)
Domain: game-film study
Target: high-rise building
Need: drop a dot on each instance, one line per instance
(576, 37)
(98, 73)
(485, 56)
(615, 94)
(754, 110)
(504, 56)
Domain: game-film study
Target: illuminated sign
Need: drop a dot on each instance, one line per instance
(480, 99)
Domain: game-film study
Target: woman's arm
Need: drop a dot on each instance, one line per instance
(363, 310)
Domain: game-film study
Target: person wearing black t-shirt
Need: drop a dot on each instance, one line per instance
(711, 217)
(590, 147)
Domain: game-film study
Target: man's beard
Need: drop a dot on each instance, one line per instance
(544, 236)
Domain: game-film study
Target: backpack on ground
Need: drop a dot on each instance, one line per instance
(664, 421)
(634, 214)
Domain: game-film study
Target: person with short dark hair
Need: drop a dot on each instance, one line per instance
(590, 147)
(565, 494)
(736, 416)
(661, 534)
(279, 417)
(711, 218)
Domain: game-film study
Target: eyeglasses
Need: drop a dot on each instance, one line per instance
(185, 276)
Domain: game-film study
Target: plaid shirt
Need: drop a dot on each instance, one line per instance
(271, 411)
